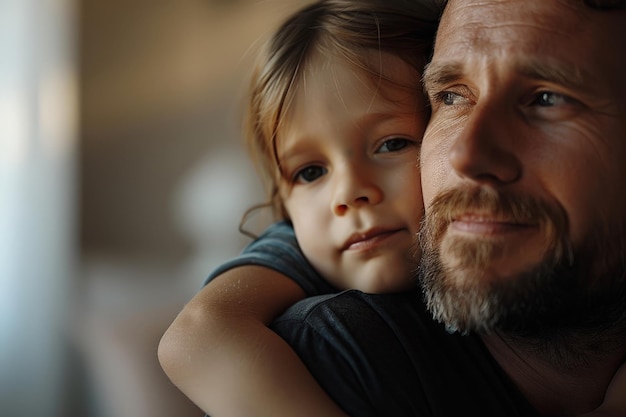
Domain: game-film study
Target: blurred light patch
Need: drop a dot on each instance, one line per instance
(37, 202)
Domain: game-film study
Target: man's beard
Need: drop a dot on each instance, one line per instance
(568, 293)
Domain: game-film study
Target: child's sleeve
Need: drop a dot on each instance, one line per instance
(277, 248)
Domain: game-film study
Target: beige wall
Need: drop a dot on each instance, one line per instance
(161, 84)
(164, 179)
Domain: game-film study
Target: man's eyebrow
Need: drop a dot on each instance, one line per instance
(556, 72)
(436, 74)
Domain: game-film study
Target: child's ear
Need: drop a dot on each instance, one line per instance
(284, 213)
(278, 206)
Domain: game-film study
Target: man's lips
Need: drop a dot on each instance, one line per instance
(487, 225)
(369, 239)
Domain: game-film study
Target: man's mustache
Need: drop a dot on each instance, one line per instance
(497, 205)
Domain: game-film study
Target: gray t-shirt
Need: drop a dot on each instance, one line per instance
(277, 248)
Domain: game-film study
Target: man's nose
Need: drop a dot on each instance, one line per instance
(354, 188)
(485, 147)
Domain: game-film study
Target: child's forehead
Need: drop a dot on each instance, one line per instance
(377, 66)
(369, 81)
(342, 93)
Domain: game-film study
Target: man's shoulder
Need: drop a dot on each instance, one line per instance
(385, 355)
(354, 304)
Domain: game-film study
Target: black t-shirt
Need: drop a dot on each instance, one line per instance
(383, 355)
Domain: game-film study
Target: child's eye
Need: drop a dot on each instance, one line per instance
(310, 173)
(393, 145)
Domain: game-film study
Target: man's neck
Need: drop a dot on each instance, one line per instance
(556, 383)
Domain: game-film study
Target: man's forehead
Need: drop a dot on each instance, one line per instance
(489, 27)
(533, 38)
(504, 15)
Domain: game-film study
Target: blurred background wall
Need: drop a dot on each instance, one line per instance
(122, 182)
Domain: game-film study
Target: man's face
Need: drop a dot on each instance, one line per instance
(524, 160)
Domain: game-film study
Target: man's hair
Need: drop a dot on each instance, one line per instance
(594, 4)
(606, 4)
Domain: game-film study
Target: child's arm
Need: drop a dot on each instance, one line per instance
(614, 404)
(220, 353)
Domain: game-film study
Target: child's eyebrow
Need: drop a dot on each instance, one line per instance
(291, 151)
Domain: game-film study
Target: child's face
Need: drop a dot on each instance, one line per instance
(351, 185)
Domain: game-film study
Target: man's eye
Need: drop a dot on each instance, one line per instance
(548, 105)
(549, 99)
(393, 145)
(448, 98)
(309, 174)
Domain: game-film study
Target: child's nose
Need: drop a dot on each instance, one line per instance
(354, 189)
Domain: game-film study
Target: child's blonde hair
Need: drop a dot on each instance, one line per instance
(342, 28)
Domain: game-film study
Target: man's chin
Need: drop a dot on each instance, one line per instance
(542, 303)
(475, 260)
(482, 288)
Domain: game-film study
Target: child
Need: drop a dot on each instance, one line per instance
(336, 114)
